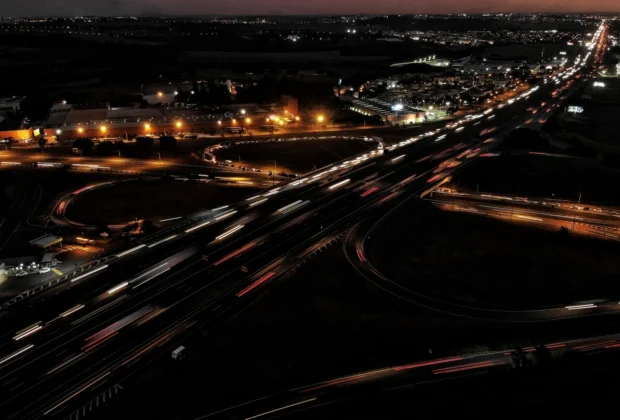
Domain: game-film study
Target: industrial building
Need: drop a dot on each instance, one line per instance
(391, 113)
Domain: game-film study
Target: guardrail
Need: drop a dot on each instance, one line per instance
(50, 284)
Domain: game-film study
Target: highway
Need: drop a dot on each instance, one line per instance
(100, 323)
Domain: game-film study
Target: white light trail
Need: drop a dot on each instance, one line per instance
(229, 232)
(89, 273)
(398, 158)
(162, 241)
(280, 409)
(17, 353)
(256, 203)
(129, 251)
(339, 184)
(28, 331)
(70, 311)
(171, 219)
(225, 215)
(117, 288)
(289, 206)
(576, 307)
(198, 226)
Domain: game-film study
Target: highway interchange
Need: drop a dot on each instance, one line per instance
(102, 322)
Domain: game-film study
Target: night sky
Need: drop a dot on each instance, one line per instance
(283, 7)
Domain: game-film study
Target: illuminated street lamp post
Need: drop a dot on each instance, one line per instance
(575, 212)
(248, 123)
(273, 175)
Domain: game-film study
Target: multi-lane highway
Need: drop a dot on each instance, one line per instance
(102, 322)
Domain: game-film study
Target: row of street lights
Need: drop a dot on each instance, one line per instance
(179, 124)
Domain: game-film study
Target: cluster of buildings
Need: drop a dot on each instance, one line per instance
(70, 121)
(415, 97)
(162, 115)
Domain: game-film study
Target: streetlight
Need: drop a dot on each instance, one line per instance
(243, 112)
(103, 129)
(179, 124)
(273, 175)
(81, 130)
(575, 213)
(248, 121)
(147, 127)
(320, 119)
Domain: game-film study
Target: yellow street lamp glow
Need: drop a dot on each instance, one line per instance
(234, 121)
(147, 126)
(179, 124)
(80, 130)
(320, 118)
(281, 122)
(297, 118)
(219, 123)
(160, 94)
(103, 128)
(248, 121)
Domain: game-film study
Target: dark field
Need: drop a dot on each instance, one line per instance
(541, 176)
(316, 325)
(474, 260)
(295, 156)
(150, 199)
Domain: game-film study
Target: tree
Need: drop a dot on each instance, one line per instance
(144, 144)
(518, 357)
(105, 148)
(167, 143)
(84, 144)
(542, 354)
(148, 227)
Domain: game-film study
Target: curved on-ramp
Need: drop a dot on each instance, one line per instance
(355, 252)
